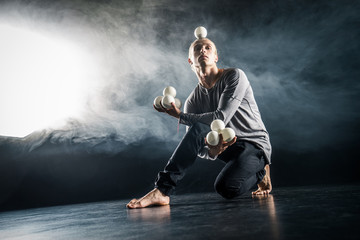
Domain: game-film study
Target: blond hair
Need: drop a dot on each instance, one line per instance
(191, 48)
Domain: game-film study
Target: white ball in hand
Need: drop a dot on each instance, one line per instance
(178, 103)
(167, 100)
(228, 134)
(169, 91)
(217, 125)
(200, 32)
(212, 138)
(157, 101)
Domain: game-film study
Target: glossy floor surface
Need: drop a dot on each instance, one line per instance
(319, 212)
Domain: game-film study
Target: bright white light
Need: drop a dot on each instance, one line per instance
(43, 81)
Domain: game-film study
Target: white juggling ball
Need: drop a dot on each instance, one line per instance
(212, 138)
(228, 134)
(178, 103)
(167, 100)
(200, 32)
(157, 101)
(217, 125)
(169, 91)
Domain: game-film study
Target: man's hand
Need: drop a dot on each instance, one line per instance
(173, 111)
(222, 146)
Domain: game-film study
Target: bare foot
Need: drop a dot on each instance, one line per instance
(265, 186)
(154, 197)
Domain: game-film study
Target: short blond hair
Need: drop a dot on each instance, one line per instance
(191, 48)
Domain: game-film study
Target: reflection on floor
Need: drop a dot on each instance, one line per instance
(289, 213)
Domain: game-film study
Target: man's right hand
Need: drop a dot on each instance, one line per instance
(173, 111)
(221, 147)
(159, 109)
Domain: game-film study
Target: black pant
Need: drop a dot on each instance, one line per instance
(244, 164)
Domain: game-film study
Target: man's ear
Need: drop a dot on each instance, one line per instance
(189, 60)
(216, 58)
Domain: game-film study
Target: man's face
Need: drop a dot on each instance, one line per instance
(203, 53)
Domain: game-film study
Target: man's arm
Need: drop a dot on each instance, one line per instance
(207, 152)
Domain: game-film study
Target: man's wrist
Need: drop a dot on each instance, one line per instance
(212, 153)
(181, 116)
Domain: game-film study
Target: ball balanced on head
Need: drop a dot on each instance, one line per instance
(200, 32)
(167, 98)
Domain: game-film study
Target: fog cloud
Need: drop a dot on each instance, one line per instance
(301, 59)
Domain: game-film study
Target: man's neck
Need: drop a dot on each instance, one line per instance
(208, 76)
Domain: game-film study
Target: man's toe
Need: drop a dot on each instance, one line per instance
(131, 202)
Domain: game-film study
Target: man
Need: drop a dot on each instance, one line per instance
(223, 94)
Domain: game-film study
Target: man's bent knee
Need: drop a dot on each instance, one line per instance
(228, 190)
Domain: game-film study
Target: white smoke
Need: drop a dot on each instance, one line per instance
(293, 55)
(133, 68)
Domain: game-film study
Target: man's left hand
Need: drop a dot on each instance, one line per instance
(221, 147)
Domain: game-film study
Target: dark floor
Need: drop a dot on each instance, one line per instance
(318, 212)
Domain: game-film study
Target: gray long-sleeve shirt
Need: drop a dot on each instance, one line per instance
(231, 99)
